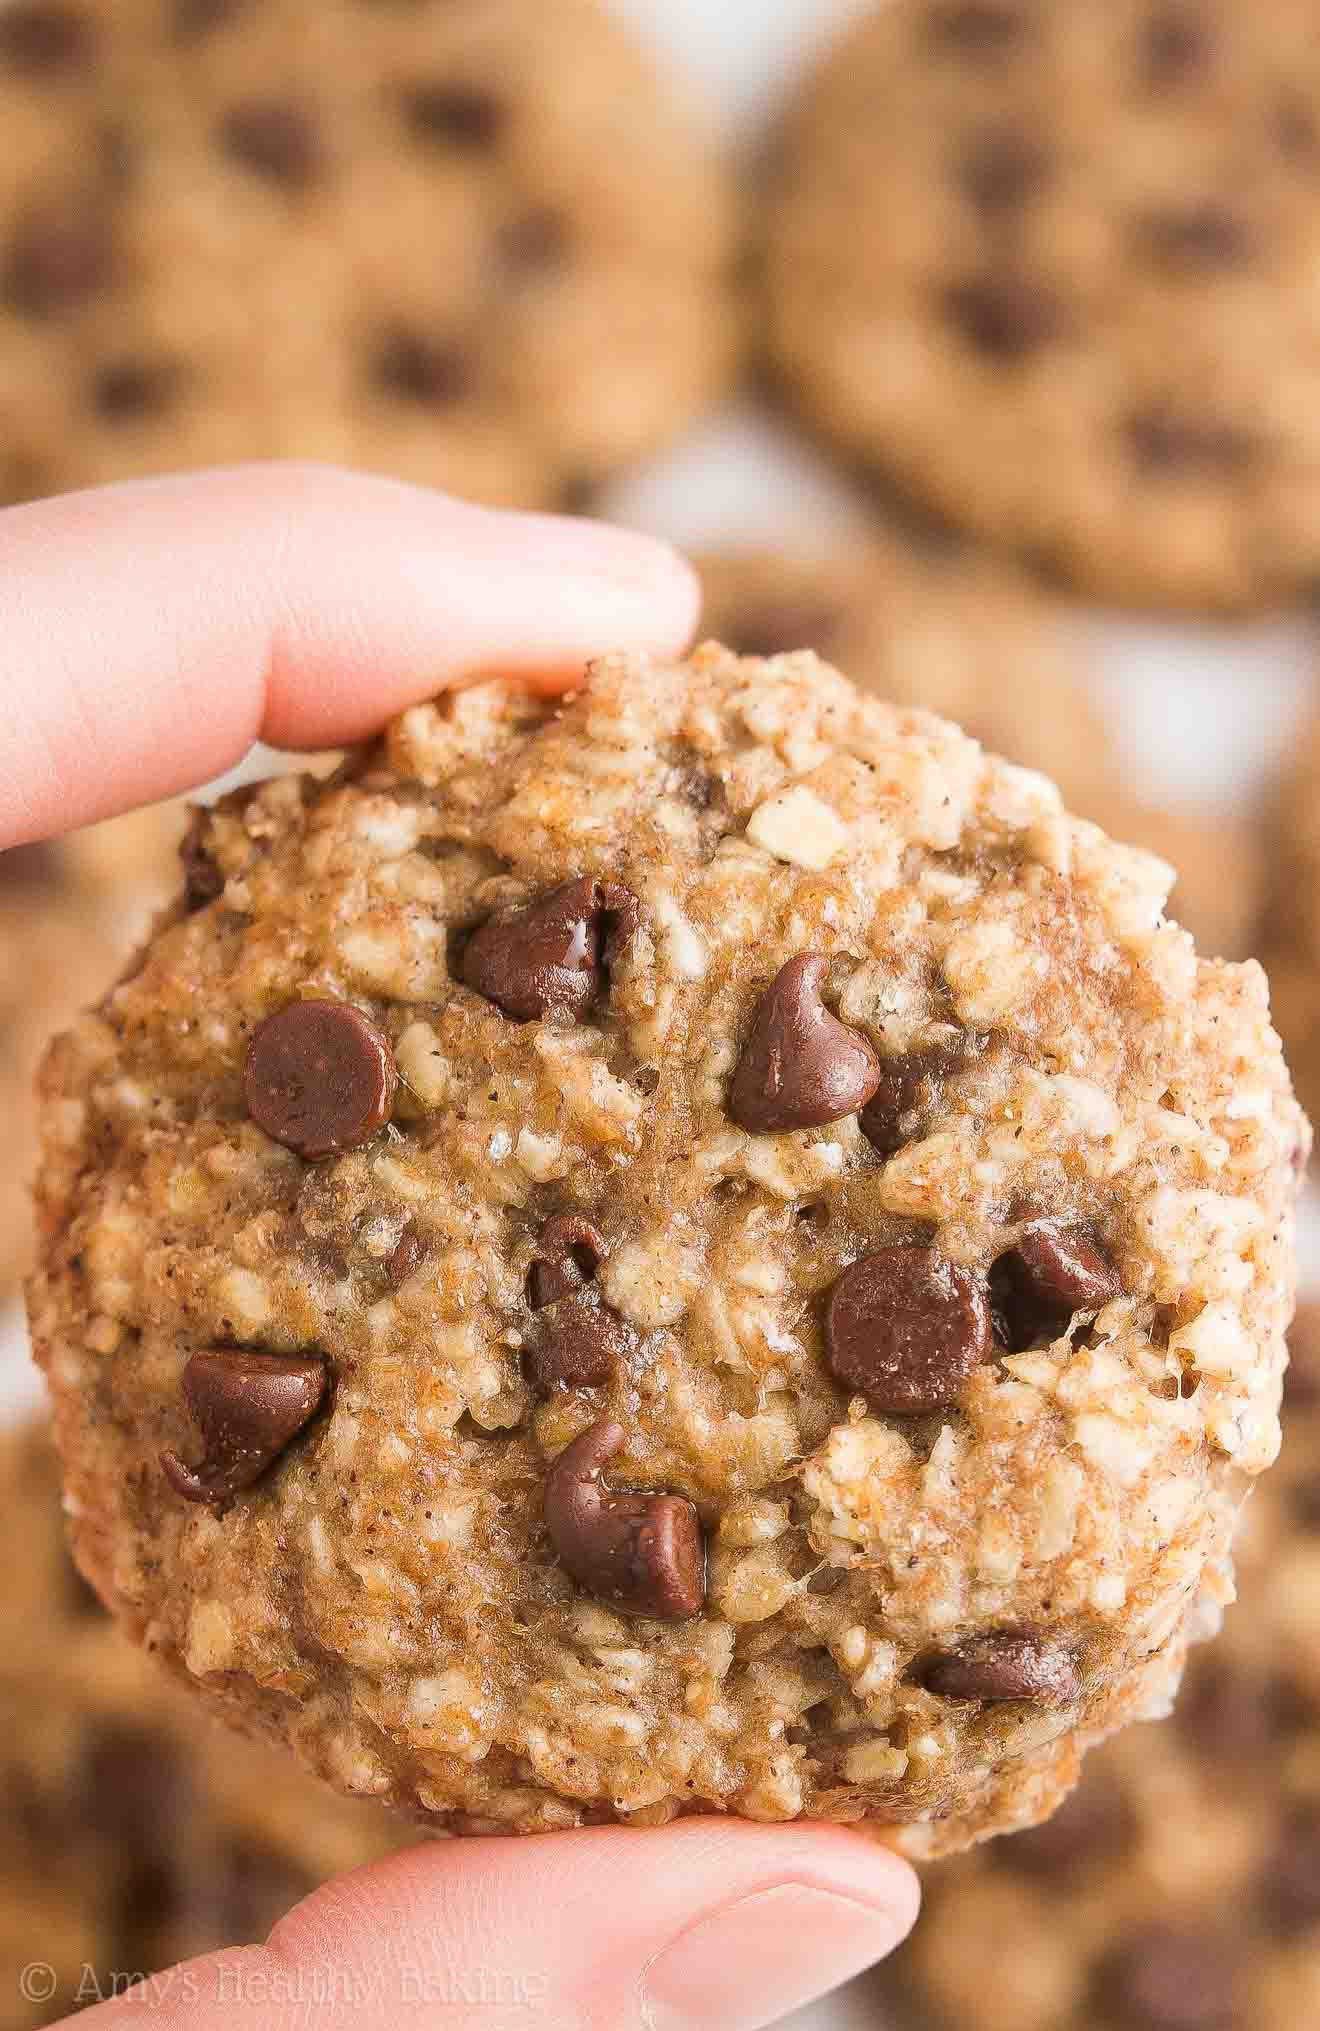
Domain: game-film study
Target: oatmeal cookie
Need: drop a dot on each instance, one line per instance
(946, 628)
(479, 245)
(1049, 268)
(1291, 936)
(69, 911)
(135, 1832)
(1179, 1888)
(701, 1247)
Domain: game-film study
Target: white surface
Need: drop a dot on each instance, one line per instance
(1200, 713)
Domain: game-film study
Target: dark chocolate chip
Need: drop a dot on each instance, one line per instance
(126, 391)
(535, 243)
(1197, 238)
(551, 957)
(1053, 1271)
(276, 139)
(202, 879)
(909, 1085)
(406, 1257)
(433, 373)
(62, 253)
(1176, 45)
(1171, 1978)
(451, 114)
(1094, 1825)
(34, 865)
(576, 1340)
(1166, 444)
(1290, 1881)
(906, 1327)
(976, 28)
(319, 1076)
(800, 1066)
(1003, 1664)
(46, 38)
(1002, 169)
(569, 1251)
(643, 1553)
(1006, 317)
(247, 1407)
(775, 628)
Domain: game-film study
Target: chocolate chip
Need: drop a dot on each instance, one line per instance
(1224, 1713)
(1171, 1978)
(1003, 1664)
(535, 243)
(800, 1066)
(274, 138)
(1176, 46)
(247, 1407)
(126, 391)
(62, 253)
(451, 114)
(576, 1340)
(1000, 170)
(1166, 444)
(906, 1328)
(643, 1553)
(319, 1077)
(1007, 317)
(550, 957)
(34, 865)
(909, 1084)
(202, 879)
(976, 27)
(1290, 1883)
(1053, 1271)
(131, 1791)
(46, 38)
(1095, 1824)
(406, 1257)
(1197, 238)
(775, 628)
(433, 373)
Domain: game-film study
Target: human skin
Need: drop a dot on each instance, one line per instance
(148, 635)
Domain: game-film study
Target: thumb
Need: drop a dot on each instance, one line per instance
(705, 1924)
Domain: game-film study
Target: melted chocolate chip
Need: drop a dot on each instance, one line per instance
(1176, 46)
(126, 391)
(1290, 1882)
(643, 1553)
(276, 139)
(62, 253)
(450, 114)
(433, 373)
(1006, 317)
(551, 957)
(202, 879)
(1002, 169)
(976, 28)
(1094, 1825)
(907, 1328)
(535, 243)
(1171, 1978)
(569, 1251)
(776, 628)
(1166, 444)
(909, 1084)
(406, 1257)
(319, 1077)
(1053, 1271)
(247, 1407)
(1197, 238)
(1003, 1664)
(800, 1066)
(576, 1341)
(44, 39)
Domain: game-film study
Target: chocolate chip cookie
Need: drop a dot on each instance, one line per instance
(1179, 1887)
(1048, 267)
(699, 1247)
(943, 627)
(479, 246)
(69, 911)
(135, 1833)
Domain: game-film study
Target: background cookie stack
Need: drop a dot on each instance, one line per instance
(1011, 309)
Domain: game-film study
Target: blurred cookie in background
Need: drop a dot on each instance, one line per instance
(1179, 1888)
(1050, 269)
(481, 246)
(948, 629)
(135, 1832)
(1291, 936)
(71, 911)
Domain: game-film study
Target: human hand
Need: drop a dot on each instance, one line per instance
(148, 634)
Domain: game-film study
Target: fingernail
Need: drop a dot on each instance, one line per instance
(750, 1963)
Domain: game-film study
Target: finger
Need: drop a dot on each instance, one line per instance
(705, 1923)
(150, 633)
